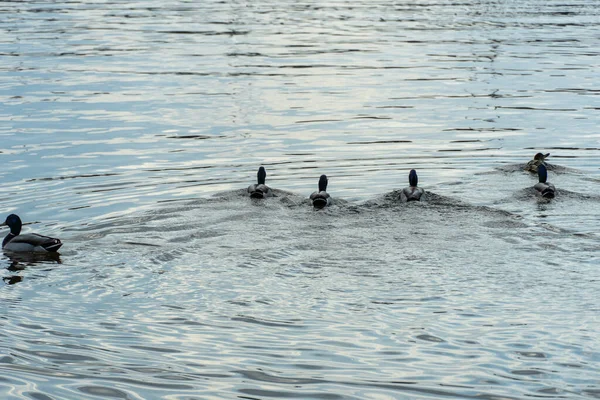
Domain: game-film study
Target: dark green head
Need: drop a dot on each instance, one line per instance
(14, 223)
(261, 175)
(413, 179)
(323, 183)
(540, 156)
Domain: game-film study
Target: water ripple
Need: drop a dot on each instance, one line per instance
(131, 132)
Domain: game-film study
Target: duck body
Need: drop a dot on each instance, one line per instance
(30, 242)
(260, 190)
(543, 187)
(538, 159)
(321, 199)
(412, 192)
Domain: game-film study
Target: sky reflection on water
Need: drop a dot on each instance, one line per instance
(122, 120)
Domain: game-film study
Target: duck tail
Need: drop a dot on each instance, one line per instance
(53, 245)
(548, 193)
(319, 202)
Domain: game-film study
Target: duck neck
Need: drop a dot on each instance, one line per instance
(413, 179)
(323, 184)
(8, 238)
(262, 175)
(15, 229)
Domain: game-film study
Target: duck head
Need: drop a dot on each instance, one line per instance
(540, 156)
(542, 173)
(14, 223)
(413, 179)
(323, 183)
(261, 175)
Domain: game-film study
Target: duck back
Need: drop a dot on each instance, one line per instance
(259, 191)
(546, 190)
(412, 193)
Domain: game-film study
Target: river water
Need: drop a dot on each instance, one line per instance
(130, 130)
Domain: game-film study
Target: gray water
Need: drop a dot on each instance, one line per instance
(130, 130)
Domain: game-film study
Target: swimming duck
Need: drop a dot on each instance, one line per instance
(544, 188)
(321, 198)
(260, 190)
(29, 242)
(538, 159)
(412, 192)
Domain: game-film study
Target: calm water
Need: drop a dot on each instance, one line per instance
(128, 129)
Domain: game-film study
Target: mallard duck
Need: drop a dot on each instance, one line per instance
(29, 242)
(321, 198)
(538, 159)
(544, 188)
(412, 192)
(260, 190)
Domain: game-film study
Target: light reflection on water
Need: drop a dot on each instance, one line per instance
(121, 120)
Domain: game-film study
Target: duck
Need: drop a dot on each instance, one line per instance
(412, 192)
(321, 199)
(29, 242)
(543, 187)
(260, 190)
(538, 159)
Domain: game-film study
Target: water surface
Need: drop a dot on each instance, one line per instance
(130, 127)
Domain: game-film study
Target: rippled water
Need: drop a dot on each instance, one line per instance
(129, 128)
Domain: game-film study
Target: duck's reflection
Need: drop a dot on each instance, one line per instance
(11, 280)
(19, 261)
